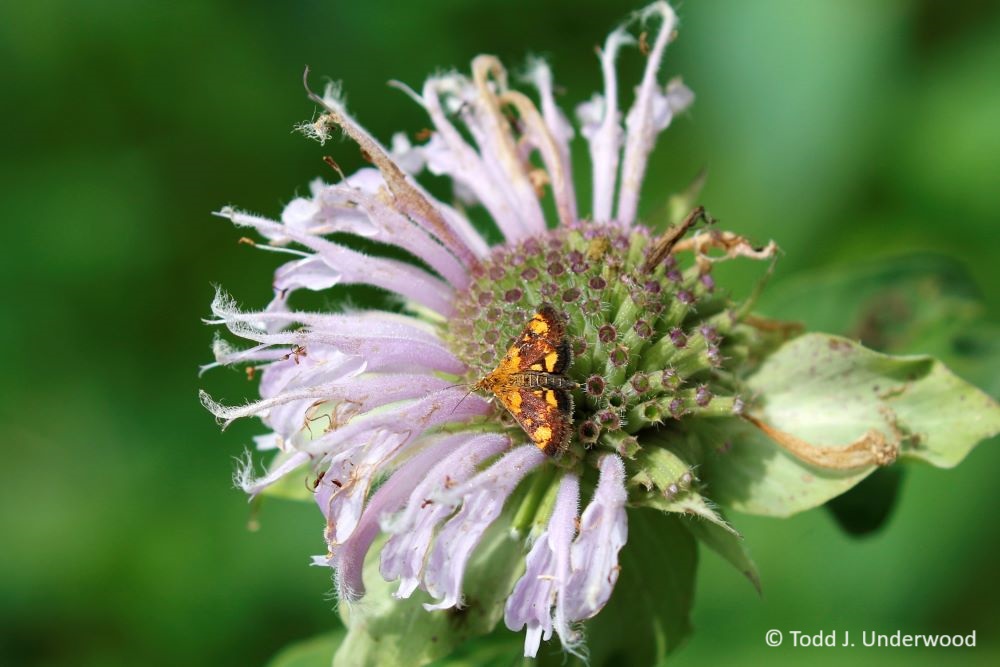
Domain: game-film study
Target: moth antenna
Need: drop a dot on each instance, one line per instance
(460, 384)
(468, 393)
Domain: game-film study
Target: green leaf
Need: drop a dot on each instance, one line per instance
(747, 471)
(660, 484)
(728, 544)
(314, 652)
(385, 631)
(917, 303)
(658, 467)
(648, 613)
(666, 482)
(688, 503)
(830, 391)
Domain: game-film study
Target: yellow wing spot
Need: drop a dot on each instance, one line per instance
(542, 435)
(528, 421)
(538, 325)
(550, 361)
(538, 367)
(550, 398)
(512, 401)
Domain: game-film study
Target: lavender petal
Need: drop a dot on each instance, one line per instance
(482, 498)
(350, 556)
(343, 202)
(287, 411)
(407, 195)
(603, 532)
(411, 419)
(561, 131)
(544, 582)
(252, 486)
(448, 153)
(412, 530)
(650, 114)
(385, 341)
(602, 128)
(332, 264)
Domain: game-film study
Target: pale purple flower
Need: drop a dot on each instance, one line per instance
(539, 597)
(412, 530)
(369, 399)
(480, 500)
(603, 532)
(571, 572)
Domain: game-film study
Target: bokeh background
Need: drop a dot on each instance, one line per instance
(849, 131)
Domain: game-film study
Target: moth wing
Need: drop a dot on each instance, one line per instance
(546, 415)
(543, 345)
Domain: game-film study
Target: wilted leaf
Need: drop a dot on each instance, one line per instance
(830, 391)
(747, 471)
(919, 303)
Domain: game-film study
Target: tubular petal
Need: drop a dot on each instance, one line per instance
(412, 530)
(605, 135)
(543, 585)
(603, 532)
(390, 497)
(650, 114)
(449, 153)
(482, 498)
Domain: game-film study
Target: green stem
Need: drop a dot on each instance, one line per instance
(540, 486)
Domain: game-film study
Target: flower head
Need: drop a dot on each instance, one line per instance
(375, 403)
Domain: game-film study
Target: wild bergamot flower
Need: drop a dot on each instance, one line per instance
(376, 405)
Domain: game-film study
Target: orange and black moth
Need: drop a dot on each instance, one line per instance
(530, 381)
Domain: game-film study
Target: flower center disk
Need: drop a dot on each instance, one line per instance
(643, 350)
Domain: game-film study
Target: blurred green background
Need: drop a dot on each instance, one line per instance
(847, 131)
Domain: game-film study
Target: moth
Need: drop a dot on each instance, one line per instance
(531, 384)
